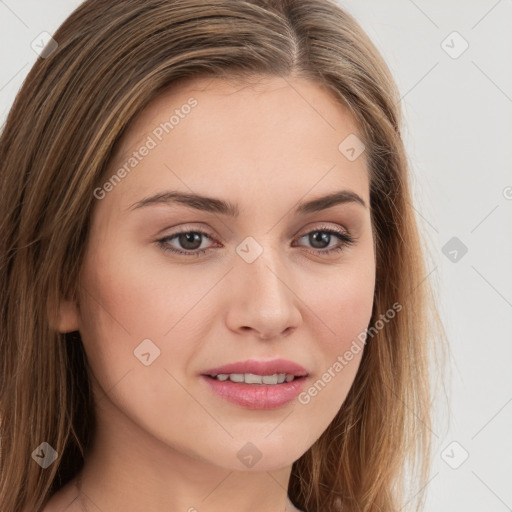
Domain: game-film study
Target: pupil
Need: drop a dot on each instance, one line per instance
(188, 238)
(323, 236)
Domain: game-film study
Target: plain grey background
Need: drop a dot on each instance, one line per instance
(453, 64)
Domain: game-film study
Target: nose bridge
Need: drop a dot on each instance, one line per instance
(262, 268)
(262, 298)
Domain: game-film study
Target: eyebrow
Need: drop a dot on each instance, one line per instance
(220, 206)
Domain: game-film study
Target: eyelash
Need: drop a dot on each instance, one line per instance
(345, 238)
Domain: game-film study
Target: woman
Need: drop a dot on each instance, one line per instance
(212, 283)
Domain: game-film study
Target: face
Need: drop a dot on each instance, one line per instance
(174, 287)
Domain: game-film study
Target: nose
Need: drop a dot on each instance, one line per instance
(263, 301)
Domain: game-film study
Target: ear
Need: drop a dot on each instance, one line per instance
(67, 316)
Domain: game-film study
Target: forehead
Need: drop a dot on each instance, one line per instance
(271, 133)
(275, 96)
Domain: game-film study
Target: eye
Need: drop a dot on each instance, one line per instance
(322, 237)
(191, 241)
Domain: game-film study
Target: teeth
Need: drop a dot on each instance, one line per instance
(251, 378)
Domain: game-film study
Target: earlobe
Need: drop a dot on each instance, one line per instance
(67, 317)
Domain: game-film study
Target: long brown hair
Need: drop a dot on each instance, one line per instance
(112, 59)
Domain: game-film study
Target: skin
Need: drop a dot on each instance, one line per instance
(164, 440)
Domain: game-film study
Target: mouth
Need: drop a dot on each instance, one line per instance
(254, 379)
(275, 371)
(257, 384)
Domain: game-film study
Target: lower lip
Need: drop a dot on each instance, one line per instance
(257, 396)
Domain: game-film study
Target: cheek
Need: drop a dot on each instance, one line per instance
(345, 301)
(126, 298)
(124, 303)
(116, 299)
(344, 306)
(351, 310)
(125, 311)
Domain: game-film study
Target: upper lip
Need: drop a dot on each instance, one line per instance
(260, 368)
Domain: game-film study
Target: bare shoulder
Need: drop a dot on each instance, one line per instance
(64, 500)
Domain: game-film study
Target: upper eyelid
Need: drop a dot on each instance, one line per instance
(324, 227)
(316, 226)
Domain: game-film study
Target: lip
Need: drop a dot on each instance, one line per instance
(260, 368)
(258, 396)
